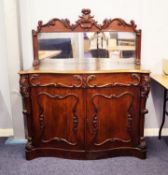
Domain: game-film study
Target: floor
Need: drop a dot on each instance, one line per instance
(12, 162)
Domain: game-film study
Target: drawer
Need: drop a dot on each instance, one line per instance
(56, 80)
(86, 80)
(113, 79)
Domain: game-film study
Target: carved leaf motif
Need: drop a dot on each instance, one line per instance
(145, 85)
(24, 86)
(86, 21)
(145, 91)
(119, 22)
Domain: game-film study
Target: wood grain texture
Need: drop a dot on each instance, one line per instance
(91, 117)
(87, 109)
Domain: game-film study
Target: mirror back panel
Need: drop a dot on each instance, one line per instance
(59, 39)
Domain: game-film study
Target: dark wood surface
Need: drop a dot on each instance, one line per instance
(85, 116)
(85, 108)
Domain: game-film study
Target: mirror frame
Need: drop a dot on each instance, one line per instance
(86, 23)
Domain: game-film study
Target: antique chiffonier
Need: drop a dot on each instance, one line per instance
(85, 96)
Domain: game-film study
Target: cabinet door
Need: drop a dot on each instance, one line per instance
(112, 117)
(57, 118)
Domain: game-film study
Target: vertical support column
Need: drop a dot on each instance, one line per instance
(145, 87)
(27, 112)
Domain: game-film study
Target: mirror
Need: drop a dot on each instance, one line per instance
(57, 45)
(109, 45)
(78, 45)
(86, 38)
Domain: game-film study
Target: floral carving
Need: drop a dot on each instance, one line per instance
(145, 85)
(86, 21)
(145, 91)
(24, 86)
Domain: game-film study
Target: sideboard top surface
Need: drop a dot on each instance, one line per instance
(85, 66)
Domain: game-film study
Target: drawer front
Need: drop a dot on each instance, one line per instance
(85, 81)
(55, 80)
(112, 80)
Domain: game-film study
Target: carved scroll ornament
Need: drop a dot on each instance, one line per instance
(34, 81)
(84, 82)
(134, 82)
(86, 21)
(145, 91)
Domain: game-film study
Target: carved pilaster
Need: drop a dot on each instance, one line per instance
(24, 86)
(145, 87)
(144, 92)
(25, 92)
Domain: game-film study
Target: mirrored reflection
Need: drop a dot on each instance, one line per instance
(57, 45)
(109, 45)
(78, 45)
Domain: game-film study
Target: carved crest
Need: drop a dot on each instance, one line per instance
(86, 21)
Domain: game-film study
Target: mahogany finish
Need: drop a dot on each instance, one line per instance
(90, 116)
(84, 114)
(86, 23)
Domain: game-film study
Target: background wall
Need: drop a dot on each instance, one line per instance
(150, 16)
(9, 67)
(5, 105)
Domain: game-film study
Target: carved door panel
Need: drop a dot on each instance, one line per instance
(112, 117)
(58, 118)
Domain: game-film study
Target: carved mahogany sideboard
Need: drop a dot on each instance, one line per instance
(85, 109)
(85, 115)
